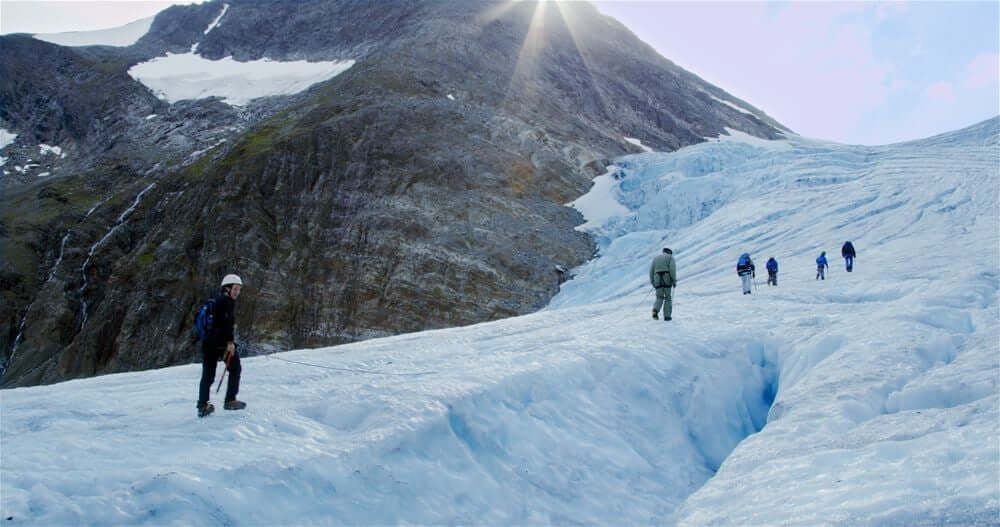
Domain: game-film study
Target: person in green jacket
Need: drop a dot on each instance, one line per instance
(663, 277)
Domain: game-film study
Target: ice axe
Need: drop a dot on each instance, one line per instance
(228, 358)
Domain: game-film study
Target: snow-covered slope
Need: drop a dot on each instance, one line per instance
(182, 76)
(867, 398)
(117, 36)
(887, 403)
(6, 138)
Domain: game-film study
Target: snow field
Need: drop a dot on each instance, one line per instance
(6, 138)
(180, 76)
(466, 425)
(865, 359)
(867, 398)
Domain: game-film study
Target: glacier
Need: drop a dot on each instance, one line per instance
(869, 398)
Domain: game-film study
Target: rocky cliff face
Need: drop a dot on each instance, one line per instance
(422, 188)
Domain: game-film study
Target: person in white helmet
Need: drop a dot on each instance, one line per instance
(219, 343)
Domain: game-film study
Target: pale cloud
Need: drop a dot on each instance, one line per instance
(899, 84)
(983, 70)
(886, 10)
(833, 61)
(941, 91)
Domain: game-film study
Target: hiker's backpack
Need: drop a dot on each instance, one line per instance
(204, 320)
(772, 265)
(744, 260)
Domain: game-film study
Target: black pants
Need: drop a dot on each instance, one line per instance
(210, 359)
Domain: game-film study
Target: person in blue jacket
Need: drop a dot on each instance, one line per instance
(847, 251)
(772, 272)
(821, 266)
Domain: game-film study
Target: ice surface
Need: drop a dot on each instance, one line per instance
(869, 398)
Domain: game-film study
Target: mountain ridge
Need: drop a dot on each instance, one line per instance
(423, 187)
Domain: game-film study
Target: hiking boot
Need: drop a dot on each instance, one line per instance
(234, 405)
(656, 316)
(205, 409)
(667, 318)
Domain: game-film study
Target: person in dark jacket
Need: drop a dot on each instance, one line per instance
(847, 251)
(663, 276)
(772, 271)
(746, 271)
(220, 343)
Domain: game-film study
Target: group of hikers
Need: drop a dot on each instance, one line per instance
(663, 274)
(214, 323)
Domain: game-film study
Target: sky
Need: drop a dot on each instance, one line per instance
(852, 72)
(38, 16)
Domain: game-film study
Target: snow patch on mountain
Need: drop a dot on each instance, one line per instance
(638, 143)
(6, 138)
(44, 149)
(225, 7)
(600, 204)
(734, 106)
(218, 19)
(183, 76)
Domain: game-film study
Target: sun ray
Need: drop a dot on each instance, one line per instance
(525, 74)
(568, 15)
(547, 17)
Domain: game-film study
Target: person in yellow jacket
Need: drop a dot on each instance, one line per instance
(663, 277)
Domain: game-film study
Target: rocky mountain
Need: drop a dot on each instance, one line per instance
(422, 187)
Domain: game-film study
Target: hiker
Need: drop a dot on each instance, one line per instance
(772, 271)
(821, 266)
(847, 251)
(745, 269)
(663, 277)
(218, 343)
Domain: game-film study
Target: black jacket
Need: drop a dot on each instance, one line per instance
(222, 322)
(847, 250)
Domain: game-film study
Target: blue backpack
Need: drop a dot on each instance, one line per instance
(204, 320)
(744, 260)
(772, 265)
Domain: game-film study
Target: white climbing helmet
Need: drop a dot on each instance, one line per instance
(231, 279)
